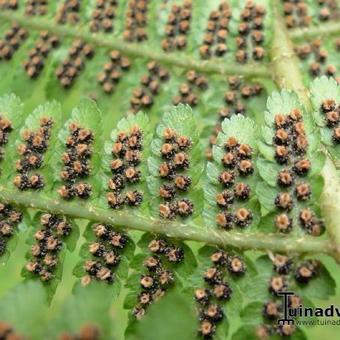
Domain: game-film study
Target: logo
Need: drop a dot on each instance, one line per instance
(285, 308)
(302, 315)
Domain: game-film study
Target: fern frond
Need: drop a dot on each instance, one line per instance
(142, 194)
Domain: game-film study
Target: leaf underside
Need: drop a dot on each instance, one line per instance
(118, 73)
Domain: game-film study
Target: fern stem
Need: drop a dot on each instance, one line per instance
(137, 50)
(287, 75)
(330, 202)
(192, 232)
(285, 65)
(326, 29)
